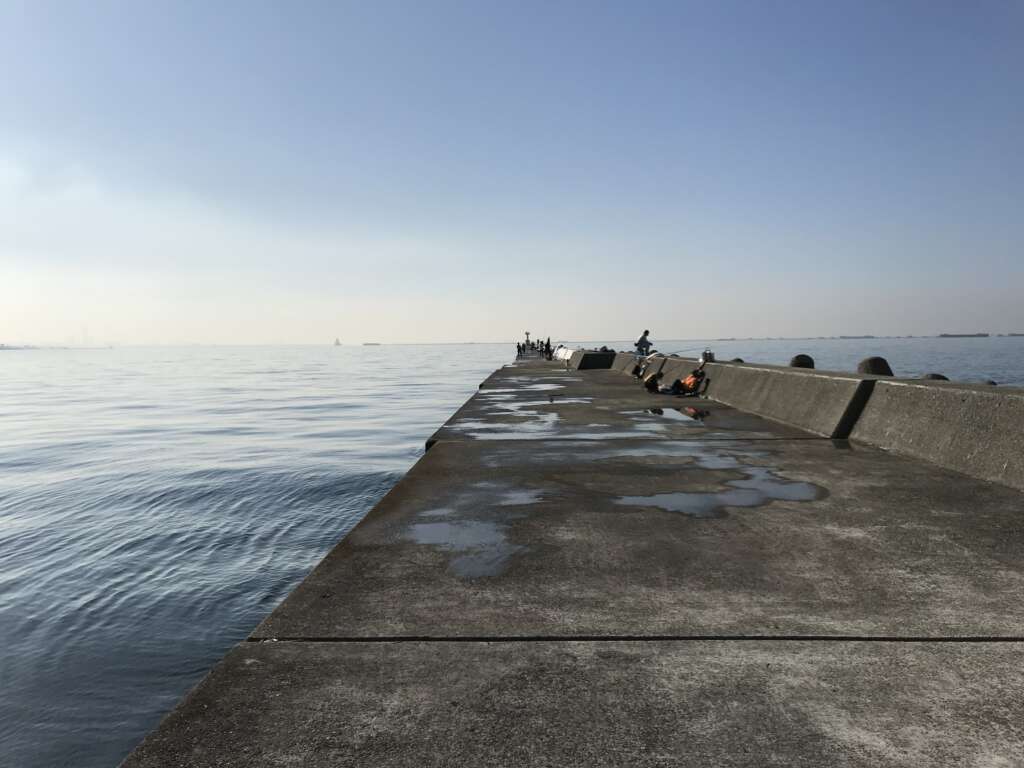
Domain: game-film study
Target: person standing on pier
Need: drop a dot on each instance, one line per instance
(643, 344)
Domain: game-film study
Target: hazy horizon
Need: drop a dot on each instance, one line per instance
(627, 343)
(250, 173)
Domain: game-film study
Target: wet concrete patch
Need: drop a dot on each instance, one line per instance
(536, 387)
(531, 426)
(685, 415)
(759, 487)
(942, 557)
(547, 425)
(473, 527)
(510, 404)
(481, 548)
(724, 454)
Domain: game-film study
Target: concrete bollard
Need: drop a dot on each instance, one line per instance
(801, 361)
(935, 377)
(877, 366)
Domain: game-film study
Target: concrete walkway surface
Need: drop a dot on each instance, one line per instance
(581, 573)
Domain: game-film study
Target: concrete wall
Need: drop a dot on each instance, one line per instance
(677, 368)
(624, 362)
(974, 429)
(823, 402)
(588, 359)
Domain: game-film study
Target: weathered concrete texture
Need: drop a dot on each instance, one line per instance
(581, 573)
(973, 429)
(736, 704)
(562, 405)
(826, 403)
(624, 362)
(629, 537)
(590, 359)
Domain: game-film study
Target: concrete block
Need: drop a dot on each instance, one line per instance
(655, 365)
(801, 361)
(822, 402)
(624, 362)
(876, 366)
(590, 359)
(970, 428)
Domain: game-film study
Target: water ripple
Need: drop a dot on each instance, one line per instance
(156, 504)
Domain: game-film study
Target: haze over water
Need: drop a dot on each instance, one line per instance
(157, 503)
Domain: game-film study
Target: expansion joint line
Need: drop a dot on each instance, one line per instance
(641, 639)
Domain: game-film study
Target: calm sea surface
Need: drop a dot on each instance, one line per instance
(156, 504)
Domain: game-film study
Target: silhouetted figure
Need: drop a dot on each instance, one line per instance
(643, 344)
(652, 382)
(692, 386)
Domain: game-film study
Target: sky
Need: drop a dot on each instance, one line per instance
(252, 172)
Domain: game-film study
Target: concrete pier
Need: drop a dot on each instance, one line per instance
(581, 573)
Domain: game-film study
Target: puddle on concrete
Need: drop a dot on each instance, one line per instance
(685, 415)
(473, 528)
(761, 486)
(482, 547)
(715, 460)
(553, 376)
(538, 387)
(524, 388)
(511, 406)
(544, 426)
(500, 494)
(649, 428)
(439, 512)
(540, 425)
(566, 434)
(774, 488)
(704, 455)
(520, 498)
(493, 394)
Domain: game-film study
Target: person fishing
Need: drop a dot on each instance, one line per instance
(643, 344)
(693, 385)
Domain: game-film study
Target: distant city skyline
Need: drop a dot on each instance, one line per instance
(427, 172)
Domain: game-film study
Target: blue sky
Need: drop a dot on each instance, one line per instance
(432, 171)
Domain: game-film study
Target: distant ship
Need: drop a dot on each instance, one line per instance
(371, 343)
(337, 342)
(963, 335)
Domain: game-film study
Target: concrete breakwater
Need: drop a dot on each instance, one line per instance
(971, 428)
(578, 572)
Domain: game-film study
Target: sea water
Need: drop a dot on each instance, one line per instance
(156, 504)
